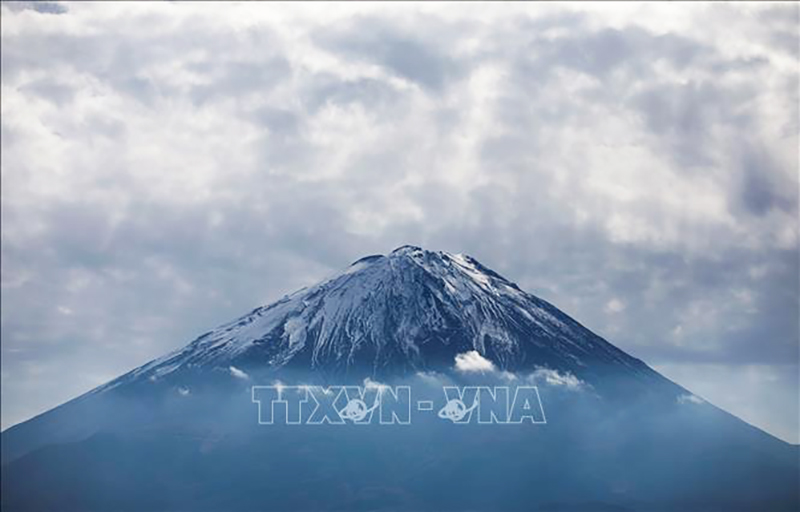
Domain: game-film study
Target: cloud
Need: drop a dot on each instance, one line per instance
(615, 306)
(372, 384)
(689, 399)
(400, 51)
(430, 378)
(472, 361)
(157, 157)
(749, 391)
(239, 374)
(556, 378)
(39, 6)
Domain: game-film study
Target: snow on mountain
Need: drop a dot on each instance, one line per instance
(411, 310)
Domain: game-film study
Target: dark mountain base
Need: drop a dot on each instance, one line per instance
(592, 455)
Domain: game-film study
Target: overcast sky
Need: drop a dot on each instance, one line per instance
(167, 167)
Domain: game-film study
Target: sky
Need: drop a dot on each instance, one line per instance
(167, 167)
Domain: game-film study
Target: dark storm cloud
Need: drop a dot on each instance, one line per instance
(169, 167)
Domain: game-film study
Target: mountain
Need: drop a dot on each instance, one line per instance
(410, 311)
(182, 432)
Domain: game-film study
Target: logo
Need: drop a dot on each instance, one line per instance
(386, 405)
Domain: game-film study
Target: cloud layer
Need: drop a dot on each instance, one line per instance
(473, 361)
(168, 166)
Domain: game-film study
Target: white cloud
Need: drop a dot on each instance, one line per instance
(763, 395)
(372, 384)
(473, 361)
(689, 399)
(615, 306)
(509, 376)
(556, 378)
(430, 378)
(239, 374)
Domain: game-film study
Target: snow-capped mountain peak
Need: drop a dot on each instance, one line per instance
(410, 310)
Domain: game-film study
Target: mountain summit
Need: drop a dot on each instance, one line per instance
(412, 310)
